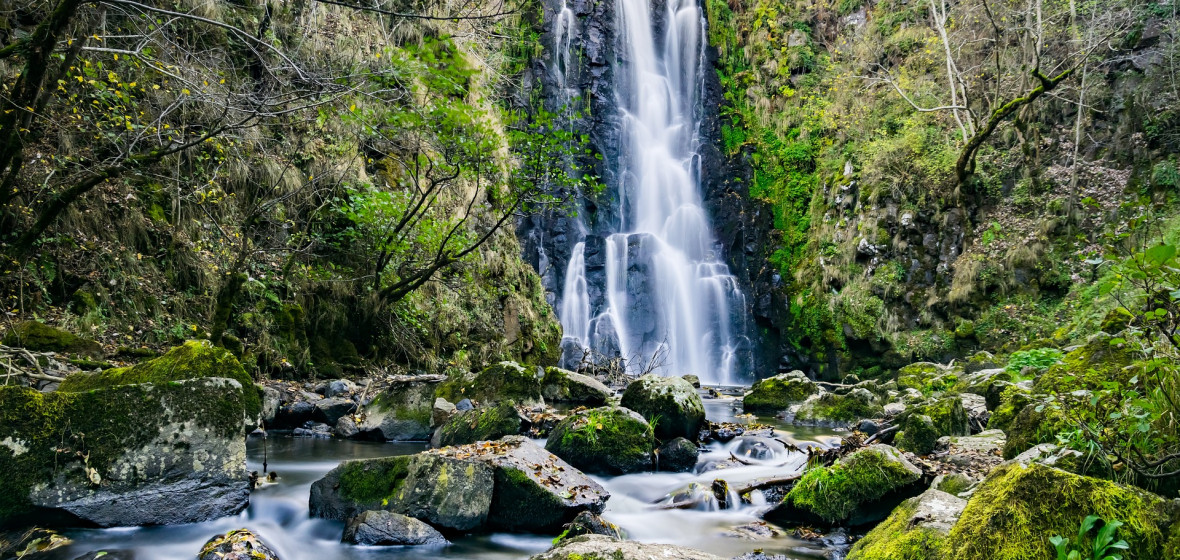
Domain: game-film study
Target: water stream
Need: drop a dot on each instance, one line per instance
(667, 299)
(279, 512)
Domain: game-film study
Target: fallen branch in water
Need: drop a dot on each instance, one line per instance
(763, 483)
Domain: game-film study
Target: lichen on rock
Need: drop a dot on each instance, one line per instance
(607, 440)
(774, 394)
(670, 404)
(495, 383)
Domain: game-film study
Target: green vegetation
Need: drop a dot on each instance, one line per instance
(607, 440)
(832, 407)
(895, 539)
(834, 493)
(495, 383)
(1103, 547)
(37, 336)
(373, 483)
(470, 426)
(774, 394)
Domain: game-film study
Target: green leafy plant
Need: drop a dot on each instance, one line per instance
(1104, 546)
(1039, 358)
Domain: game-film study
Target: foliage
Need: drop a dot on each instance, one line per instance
(1037, 358)
(1104, 546)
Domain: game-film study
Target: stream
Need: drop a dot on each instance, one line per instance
(279, 512)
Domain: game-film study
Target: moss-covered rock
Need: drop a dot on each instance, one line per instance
(1017, 509)
(447, 492)
(470, 426)
(857, 489)
(925, 377)
(1012, 401)
(498, 382)
(916, 530)
(40, 337)
(194, 359)
(670, 404)
(565, 386)
(163, 453)
(923, 424)
(831, 409)
(608, 440)
(239, 544)
(1088, 367)
(404, 411)
(774, 394)
(602, 547)
(1034, 424)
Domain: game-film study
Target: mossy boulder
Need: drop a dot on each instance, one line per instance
(926, 377)
(916, 530)
(470, 426)
(774, 394)
(40, 337)
(564, 386)
(1089, 367)
(535, 491)
(670, 404)
(239, 544)
(922, 425)
(1015, 511)
(404, 411)
(1034, 424)
(678, 455)
(857, 489)
(194, 359)
(608, 440)
(838, 410)
(498, 382)
(602, 547)
(1013, 399)
(143, 454)
(447, 492)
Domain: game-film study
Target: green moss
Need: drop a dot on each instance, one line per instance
(192, 360)
(1032, 426)
(671, 404)
(922, 425)
(40, 337)
(1012, 401)
(773, 394)
(1014, 512)
(838, 408)
(834, 493)
(470, 426)
(607, 440)
(895, 539)
(1088, 367)
(502, 381)
(63, 432)
(373, 482)
(954, 484)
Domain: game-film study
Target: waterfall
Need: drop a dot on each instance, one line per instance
(666, 298)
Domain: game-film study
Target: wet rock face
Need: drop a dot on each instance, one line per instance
(671, 404)
(240, 544)
(147, 454)
(600, 546)
(607, 440)
(383, 528)
(403, 412)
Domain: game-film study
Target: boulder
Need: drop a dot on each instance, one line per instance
(587, 523)
(340, 388)
(926, 377)
(1015, 511)
(778, 393)
(447, 492)
(607, 440)
(565, 386)
(535, 491)
(592, 547)
(346, 428)
(330, 410)
(670, 404)
(692, 380)
(834, 410)
(271, 400)
(240, 544)
(39, 337)
(475, 425)
(857, 489)
(922, 425)
(678, 455)
(499, 382)
(385, 528)
(293, 415)
(403, 411)
(144, 454)
(916, 530)
(977, 412)
(442, 411)
(194, 359)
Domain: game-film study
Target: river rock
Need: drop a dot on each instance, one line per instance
(403, 411)
(346, 428)
(678, 455)
(271, 400)
(588, 547)
(778, 393)
(114, 554)
(857, 489)
(498, 382)
(471, 426)
(836, 410)
(607, 440)
(670, 403)
(146, 454)
(330, 410)
(922, 425)
(917, 529)
(339, 388)
(564, 386)
(39, 337)
(447, 492)
(385, 528)
(442, 411)
(535, 490)
(240, 544)
(587, 523)
(293, 415)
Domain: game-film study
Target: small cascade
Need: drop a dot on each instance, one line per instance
(655, 291)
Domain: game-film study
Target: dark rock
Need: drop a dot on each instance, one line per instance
(384, 528)
(152, 454)
(692, 380)
(670, 403)
(604, 441)
(313, 430)
(330, 410)
(496, 383)
(564, 386)
(240, 544)
(339, 387)
(293, 415)
(587, 523)
(108, 555)
(403, 411)
(588, 547)
(867, 427)
(678, 455)
(442, 411)
(346, 428)
(471, 426)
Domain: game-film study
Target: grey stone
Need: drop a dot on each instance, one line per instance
(601, 546)
(441, 412)
(464, 404)
(340, 387)
(346, 428)
(240, 544)
(403, 411)
(385, 528)
(330, 410)
(678, 455)
(271, 399)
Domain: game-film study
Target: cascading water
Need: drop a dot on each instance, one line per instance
(666, 299)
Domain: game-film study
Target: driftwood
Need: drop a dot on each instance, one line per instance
(763, 483)
(10, 360)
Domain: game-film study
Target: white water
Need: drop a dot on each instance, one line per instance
(669, 299)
